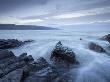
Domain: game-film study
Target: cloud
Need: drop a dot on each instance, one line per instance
(54, 12)
(12, 20)
(83, 13)
(9, 6)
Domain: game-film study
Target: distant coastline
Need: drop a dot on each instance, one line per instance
(24, 27)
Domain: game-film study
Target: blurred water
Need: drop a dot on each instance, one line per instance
(95, 67)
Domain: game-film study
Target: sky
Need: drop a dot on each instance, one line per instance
(55, 12)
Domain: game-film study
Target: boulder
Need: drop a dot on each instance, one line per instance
(14, 76)
(106, 37)
(95, 47)
(63, 53)
(5, 54)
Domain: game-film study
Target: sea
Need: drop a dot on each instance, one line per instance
(94, 67)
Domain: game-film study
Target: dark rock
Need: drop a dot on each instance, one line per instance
(12, 67)
(14, 76)
(44, 75)
(5, 54)
(28, 41)
(40, 71)
(11, 43)
(95, 47)
(25, 69)
(41, 63)
(26, 58)
(63, 53)
(106, 37)
(80, 38)
(31, 68)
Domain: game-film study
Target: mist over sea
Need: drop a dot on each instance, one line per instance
(94, 67)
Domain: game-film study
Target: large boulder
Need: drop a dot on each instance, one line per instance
(106, 37)
(14, 76)
(95, 47)
(63, 53)
(63, 59)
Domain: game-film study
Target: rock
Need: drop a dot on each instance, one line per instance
(80, 38)
(11, 43)
(25, 69)
(106, 37)
(95, 47)
(26, 58)
(14, 76)
(40, 71)
(44, 75)
(5, 54)
(28, 41)
(63, 53)
(41, 63)
(12, 67)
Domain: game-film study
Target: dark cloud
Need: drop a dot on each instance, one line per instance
(10, 5)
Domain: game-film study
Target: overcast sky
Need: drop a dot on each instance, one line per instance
(55, 12)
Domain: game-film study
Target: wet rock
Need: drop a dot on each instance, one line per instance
(44, 75)
(12, 67)
(106, 37)
(10, 64)
(14, 76)
(41, 63)
(26, 58)
(63, 53)
(5, 54)
(95, 47)
(40, 71)
(11, 43)
(80, 38)
(25, 69)
(28, 41)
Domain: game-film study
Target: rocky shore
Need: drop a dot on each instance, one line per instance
(24, 68)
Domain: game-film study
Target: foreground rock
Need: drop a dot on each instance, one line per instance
(25, 69)
(15, 76)
(63, 53)
(11, 43)
(95, 47)
(106, 37)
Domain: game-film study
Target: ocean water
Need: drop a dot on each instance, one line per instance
(94, 67)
